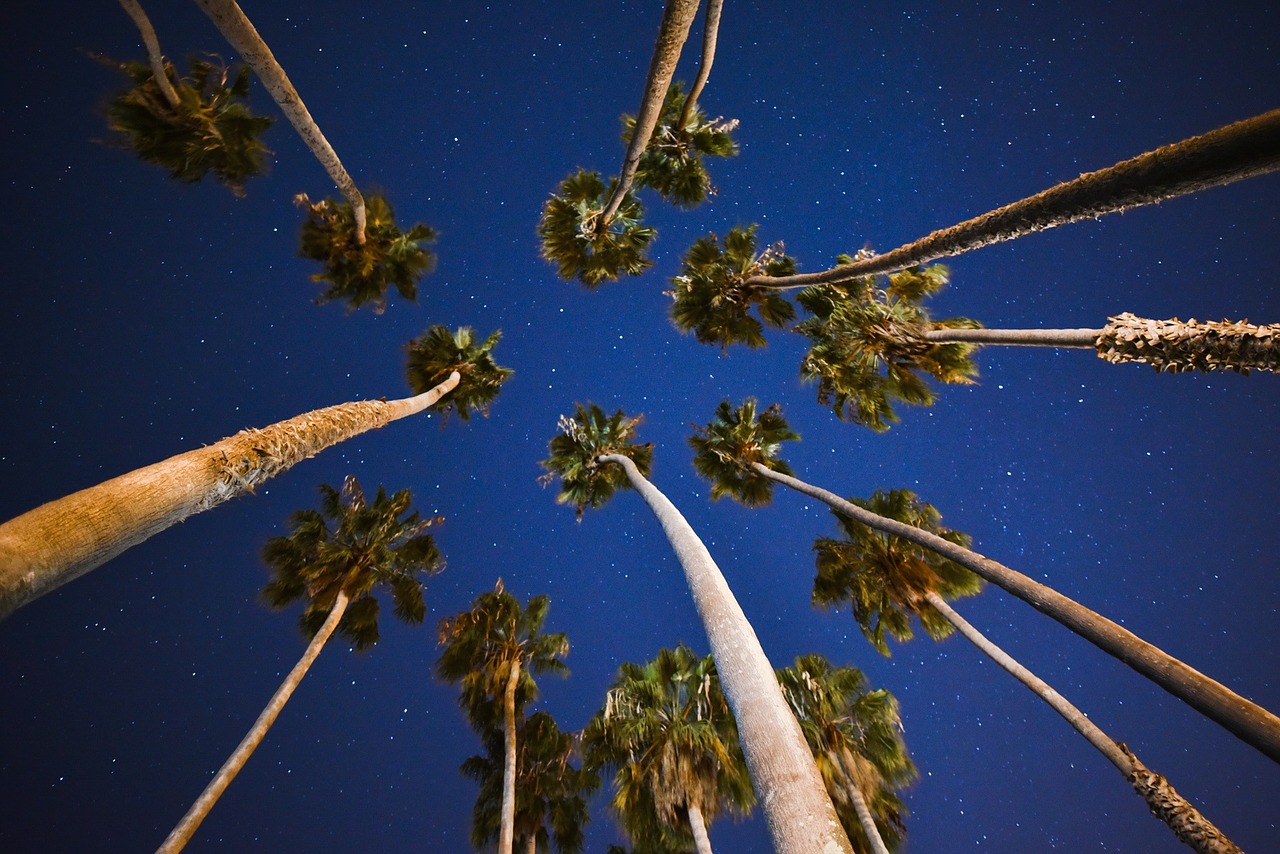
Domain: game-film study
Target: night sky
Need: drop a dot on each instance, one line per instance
(146, 318)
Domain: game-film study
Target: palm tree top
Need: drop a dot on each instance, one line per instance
(736, 438)
(574, 455)
(353, 545)
(438, 352)
(672, 162)
(581, 243)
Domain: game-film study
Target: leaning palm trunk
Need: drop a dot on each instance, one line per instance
(854, 792)
(1165, 804)
(506, 831)
(152, 44)
(1166, 345)
(698, 827)
(710, 32)
(1247, 720)
(60, 541)
(240, 32)
(181, 834)
(796, 806)
(677, 17)
(1231, 153)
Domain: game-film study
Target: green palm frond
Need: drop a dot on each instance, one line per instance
(673, 161)
(583, 247)
(359, 274)
(734, 439)
(574, 456)
(438, 352)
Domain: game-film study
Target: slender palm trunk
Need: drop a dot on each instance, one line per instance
(237, 29)
(1083, 338)
(181, 834)
(60, 541)
(1183, 819)
(152, 44)
(531, 847)
(865, 818)
(506, 831)
(710, 32)
(1247, 720)
(677, 17)
(1231, 153)
(796, 806)
(701, 841)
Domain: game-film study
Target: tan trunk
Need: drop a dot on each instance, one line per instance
(506, 833)
(1193, 345)
(710, 32)
(701, 841)
(1173, 810)
(152, 44)
(865, 818)
(60, 541)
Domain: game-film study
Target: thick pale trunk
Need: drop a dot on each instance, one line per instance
(701, 841)
(152, 44)
(506, 832)
(60, 541)
(677, 17)
(181, 834)
(865, 818)
(1165, 804)
(795, 802)
(1232, 153)
(710, 31)
(1248, 721)
(237, 29)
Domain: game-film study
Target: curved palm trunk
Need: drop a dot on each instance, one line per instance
(506, 832)
(677, 17)
(1247, 720)
(181, 834)
(711, 29)
(701, 841)
(1165, 804)
(1231, 153)
(134, 10)
(796, 806)
(237, 29)
(865, 818)
(60, 541)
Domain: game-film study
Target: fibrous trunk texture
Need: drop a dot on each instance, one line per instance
(182, 834)
(797, 808)
(1193, 345)
(152, 44)
(59, 541)
(506, 831)
(1173, 809)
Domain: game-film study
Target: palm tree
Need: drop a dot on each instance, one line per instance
(887, 581)
(578, 231)
(741, 456)
(60, 541)
(551, 792)
(586, 456)
(437, 353)
(1232, 153)
(492, 650)
(190, 126)
(856, 738)
(336, 570)
(711, 298)
(673, 163)
(668, 736)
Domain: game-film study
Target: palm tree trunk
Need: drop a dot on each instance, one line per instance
(237, 29)
(1248, 721)
(152, 44)
(181, 834)
(60, 541)
(1231, 153)
(701, 841)
(710, 31)
(865, 818)
(796, 806)
(1083, 338)
(506, 831)
(1165, 804)
(677, 17)
(531, 846)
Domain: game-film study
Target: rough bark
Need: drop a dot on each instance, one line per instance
(60, 541)
(181, 835)
(506, 831)
(796, 806)
(1193, 345)
(1231, 153)
(134, 10)
(1173, 810)
(701, 841)
(710, 32)
(237, 29)
(1248, 721)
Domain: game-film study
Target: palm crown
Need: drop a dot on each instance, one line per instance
(353, 546)
(672, 162)
(574, 455)
(711, 295)
(726, 447)
(438, 352)
(583, 246)
(884, 578)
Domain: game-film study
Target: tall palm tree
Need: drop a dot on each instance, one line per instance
(888, 581)
(335, 559)
(672, 163)
(1232, 153)
(438, 352)
(492, 650)
(577, 229)
(60, 541)
(586, 455)
(856, 738)
(669, 737)
(740, 454)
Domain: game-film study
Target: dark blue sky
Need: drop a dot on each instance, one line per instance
(146, 318)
